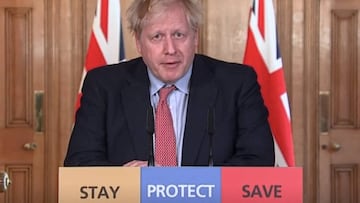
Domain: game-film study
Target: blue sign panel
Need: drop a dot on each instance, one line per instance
(180, 185)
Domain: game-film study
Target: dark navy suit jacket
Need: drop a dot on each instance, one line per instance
(110, 126)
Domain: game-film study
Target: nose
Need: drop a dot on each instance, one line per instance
(170, 46)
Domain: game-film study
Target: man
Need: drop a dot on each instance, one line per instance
(110, 127)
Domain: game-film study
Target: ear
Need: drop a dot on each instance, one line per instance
(196, 39)
(138, 42)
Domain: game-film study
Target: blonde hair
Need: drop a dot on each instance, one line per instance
(140, 10)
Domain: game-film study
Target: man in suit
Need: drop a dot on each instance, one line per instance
(110, 126)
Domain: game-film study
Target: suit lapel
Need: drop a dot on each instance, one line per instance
(202, 96)
(135, 98)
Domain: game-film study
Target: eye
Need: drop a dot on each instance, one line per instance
(178, 35)
(157, 37)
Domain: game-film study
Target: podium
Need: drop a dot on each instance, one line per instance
(180, 184)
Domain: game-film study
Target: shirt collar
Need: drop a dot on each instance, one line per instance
(182, 84)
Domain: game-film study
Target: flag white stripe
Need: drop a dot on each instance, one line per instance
(110, 47)
(267, 46)
(82, 79)
(279, 157)
(285, 103)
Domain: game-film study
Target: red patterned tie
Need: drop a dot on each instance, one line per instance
(165, 144)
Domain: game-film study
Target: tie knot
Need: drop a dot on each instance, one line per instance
(165, 91)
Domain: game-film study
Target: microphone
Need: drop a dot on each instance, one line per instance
(211, 131)
(150, 131)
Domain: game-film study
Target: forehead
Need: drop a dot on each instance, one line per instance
(173, 14)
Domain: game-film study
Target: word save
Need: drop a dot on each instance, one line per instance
(261, 191)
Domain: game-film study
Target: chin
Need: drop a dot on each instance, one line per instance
(171, 79)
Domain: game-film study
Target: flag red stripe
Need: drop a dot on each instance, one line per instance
(104, 17)
(272, 88)
(94, 56)
(261, 18)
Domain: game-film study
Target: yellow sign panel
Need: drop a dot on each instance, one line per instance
(99, 184)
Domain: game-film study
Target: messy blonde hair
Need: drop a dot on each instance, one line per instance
(140, 10)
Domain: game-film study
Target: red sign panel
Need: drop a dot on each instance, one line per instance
(261, 185)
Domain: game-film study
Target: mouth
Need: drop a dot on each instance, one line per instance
(171, 64)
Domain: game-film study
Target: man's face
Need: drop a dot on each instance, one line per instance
(167, 44)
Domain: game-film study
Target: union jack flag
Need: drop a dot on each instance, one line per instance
(106, 41)
(262, 52)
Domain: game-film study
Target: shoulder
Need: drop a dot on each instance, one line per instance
(221, 68)
(118, 69)
(121, 73)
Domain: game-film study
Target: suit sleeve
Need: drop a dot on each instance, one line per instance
(254, 145)
(87, 144)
